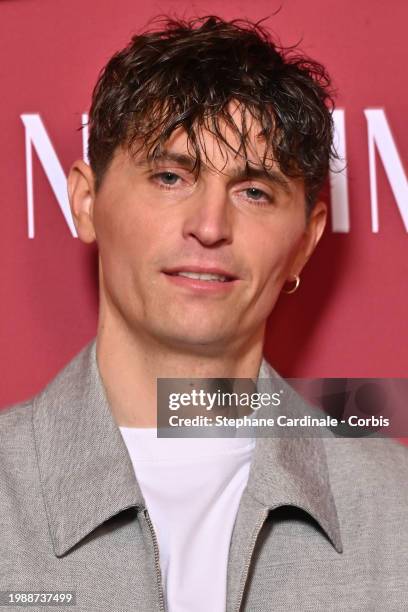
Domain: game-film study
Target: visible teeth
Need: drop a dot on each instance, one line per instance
(205, 277)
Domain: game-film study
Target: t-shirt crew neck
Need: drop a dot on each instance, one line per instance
(192, 489)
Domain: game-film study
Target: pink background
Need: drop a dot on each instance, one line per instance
(348, 317)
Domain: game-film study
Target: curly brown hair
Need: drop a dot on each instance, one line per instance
(186, 73)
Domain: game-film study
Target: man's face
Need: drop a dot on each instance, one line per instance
(157, 227)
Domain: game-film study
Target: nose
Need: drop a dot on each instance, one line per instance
(209, 216)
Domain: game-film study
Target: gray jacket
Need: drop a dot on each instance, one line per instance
(322, 524)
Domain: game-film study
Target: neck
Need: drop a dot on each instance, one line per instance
(130, 363)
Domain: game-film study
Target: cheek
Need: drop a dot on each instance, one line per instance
(274, 254)
(122, 230)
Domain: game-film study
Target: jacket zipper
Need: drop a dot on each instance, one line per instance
(156, 561)
(249, 558)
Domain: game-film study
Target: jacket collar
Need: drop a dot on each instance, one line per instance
(87, 476)
(85, 470)
(291, 470)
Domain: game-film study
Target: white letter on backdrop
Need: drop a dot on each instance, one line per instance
(338, 177)
(379, 134)
(36, 136)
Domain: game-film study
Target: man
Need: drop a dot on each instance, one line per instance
(208, 149)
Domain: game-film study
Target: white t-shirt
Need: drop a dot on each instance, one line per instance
(192, 488)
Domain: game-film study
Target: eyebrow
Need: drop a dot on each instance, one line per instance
(249, 171)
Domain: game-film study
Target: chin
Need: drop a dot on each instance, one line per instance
(189, 339)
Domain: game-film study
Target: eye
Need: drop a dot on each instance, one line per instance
(257, 195)
(166, 179)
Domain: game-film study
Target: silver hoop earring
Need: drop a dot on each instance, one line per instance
(296, 285)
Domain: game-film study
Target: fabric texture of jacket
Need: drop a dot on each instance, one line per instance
(322, 524)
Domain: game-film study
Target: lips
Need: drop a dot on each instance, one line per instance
(202, 273)
(203, 277)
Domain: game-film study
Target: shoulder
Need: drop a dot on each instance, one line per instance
(18, 422)
(374, 459)
(370, 463)
(15, 426)
(369, 480)
(71, 375)
(17, 455)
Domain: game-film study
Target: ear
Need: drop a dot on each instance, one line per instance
(313, 232)
(81, 193)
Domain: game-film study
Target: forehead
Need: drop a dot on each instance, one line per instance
(221, 142)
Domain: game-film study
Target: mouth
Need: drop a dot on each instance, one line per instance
(221, 278)
(200, 278)
(202, 274)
